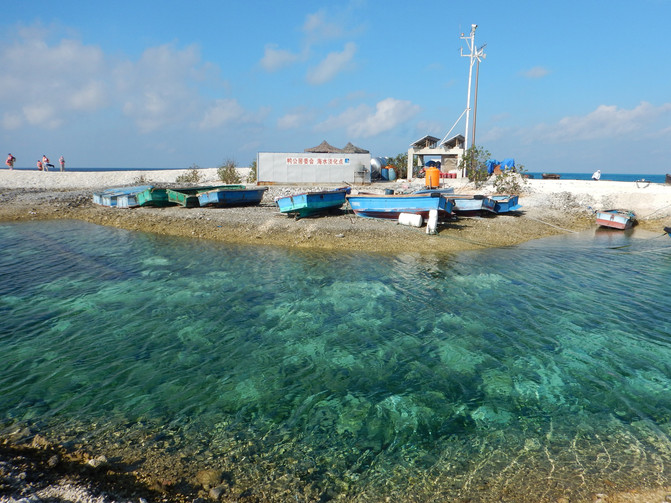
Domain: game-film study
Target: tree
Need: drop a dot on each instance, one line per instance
(475, 161)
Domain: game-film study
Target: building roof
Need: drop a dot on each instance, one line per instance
(427, 141)
(351, 149)
(454, 141)
(324, 148)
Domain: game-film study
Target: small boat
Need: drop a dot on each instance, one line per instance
(312, 203)
(232, 195)
(444, 191)
(467, 204)
(154, 196)
(616, 219)
(121, 197)
(668, 231)
(501, 204)
(188, 196)
(668, 178)
(551, 176)
(391, 206)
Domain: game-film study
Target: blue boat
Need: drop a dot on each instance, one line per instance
(232, 195)
(467, 204)
(312, 203)
(501, 204)
(444, 191)
(668, 231)
(120, 197)
(391, 206)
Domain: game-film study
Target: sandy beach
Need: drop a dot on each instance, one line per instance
(549, 207)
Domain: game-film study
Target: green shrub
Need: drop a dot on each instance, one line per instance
(510, 182)
(141, 180)
(228, 174)
(192, 175)
(252, 176)
(475, 162)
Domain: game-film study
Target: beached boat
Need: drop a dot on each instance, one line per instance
(188, 196)
(668, 231)
(616, 219)
(153, 196)
(668, 178)
(444, 190)
(232, 195)
(551, 176)
(391, 206)
(312, 203)
(121, 197)
(501, 204)
(467, 204)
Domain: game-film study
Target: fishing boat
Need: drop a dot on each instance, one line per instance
(392, 205)
(551, 176)
(312, 203)
(501, 204)
(467, 204)
(154, 196)
(232, 195)
(121, 197)
(616, 219)
(188, 196)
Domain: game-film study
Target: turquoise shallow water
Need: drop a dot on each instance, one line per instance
(519, 373)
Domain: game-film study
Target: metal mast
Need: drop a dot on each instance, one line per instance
(474, 55)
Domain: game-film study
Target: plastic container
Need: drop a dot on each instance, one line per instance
(384, 173)
(392, 174)
(410, 219)
(432, 177)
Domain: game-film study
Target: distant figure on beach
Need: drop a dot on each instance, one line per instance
(39, 165)
(45, 163)
(596, 175)
(10, 161)
(62, 163)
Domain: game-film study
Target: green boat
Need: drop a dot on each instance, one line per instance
(154, 197)
(188, 196)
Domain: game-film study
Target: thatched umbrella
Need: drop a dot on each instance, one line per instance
(351, 149)
(324, 148)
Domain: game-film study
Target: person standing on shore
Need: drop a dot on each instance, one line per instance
(597, 175)
(39, 165)
(62, 163)
(10, 161)
(45, 163)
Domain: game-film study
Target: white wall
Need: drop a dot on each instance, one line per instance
(312, 169)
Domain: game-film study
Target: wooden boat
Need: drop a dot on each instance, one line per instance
(501, 204)
(154, 196)
(467, 204)
(551, 176)
(121, 197)
(391, 206)
(188, 196)
(616, 219)
(232, 195)
(312, 203)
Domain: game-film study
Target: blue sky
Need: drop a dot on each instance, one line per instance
(565, 86)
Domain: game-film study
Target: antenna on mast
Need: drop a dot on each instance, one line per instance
(474, 54)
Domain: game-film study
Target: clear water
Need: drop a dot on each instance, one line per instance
(521, 373)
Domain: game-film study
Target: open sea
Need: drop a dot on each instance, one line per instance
(525, 373)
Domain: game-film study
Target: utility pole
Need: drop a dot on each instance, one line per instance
(474, 55)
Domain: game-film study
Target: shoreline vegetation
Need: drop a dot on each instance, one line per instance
(31, 464)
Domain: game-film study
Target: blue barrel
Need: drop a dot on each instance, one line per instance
(384, 173)
(388, 192)
(392, 174)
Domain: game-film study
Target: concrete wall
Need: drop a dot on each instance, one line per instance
(312, 169)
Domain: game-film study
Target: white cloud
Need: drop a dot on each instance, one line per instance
(332, 65)
(537, 72)
(317, 28)
(293, 120)
(222, 112)
(275, 59)
(607, 121)
(364, 122)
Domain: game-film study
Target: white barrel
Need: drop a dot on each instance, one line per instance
(432, 222)
(410, 219)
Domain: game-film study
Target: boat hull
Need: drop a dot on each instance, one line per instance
(616, 219)
(312, 203)
(391, 206)
(235, 196)
(119, 197)
(188, 196)
(153, 197)
(501, 204)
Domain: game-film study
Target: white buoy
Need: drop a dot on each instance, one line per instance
(432, 222)
(410, 219)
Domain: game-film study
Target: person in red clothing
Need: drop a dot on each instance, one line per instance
(10, 161)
